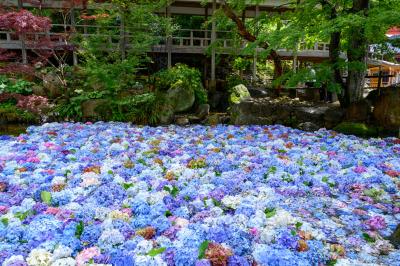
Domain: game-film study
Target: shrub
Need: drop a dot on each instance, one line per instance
(358, 129)
(10, 113)
(181, 76)
(19, 86)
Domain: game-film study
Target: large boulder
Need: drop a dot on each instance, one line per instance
(238, 94)
(313, 114)
(333, 116)
(52, 85)
(180, 99)
(359, 111)
(387, 109)
(90, 108)
(308, 126)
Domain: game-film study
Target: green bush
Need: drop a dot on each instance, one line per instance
(184, 77)
(358, 129)
(15, 86)
(9, 113)
(141, 109)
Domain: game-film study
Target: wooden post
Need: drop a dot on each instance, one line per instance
(22, 39)
(213, 55)
(255, 52)
(169, 41)
(206, 40)
(73, 29)
(379, 79)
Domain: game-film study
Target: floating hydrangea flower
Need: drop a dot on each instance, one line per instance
(114, 193)
(376, 223)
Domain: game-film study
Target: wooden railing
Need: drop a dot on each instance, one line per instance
(184, 38)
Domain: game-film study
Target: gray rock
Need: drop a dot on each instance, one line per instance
(308, 126)
(53, 86)
(359, 112)
(333, 117)
(181, 121)
(387, 109)
(180, 99)
(314, 114)
(39, 90)
(166, 115)
(257, 93)
(238, 94)
(90, 108)
(203, 110)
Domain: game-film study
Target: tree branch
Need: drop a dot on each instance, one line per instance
(248, 36)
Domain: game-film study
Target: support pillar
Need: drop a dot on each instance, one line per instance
(169, 42)
(213, 52)
(255, 52)
(22, 39)
(73, 28)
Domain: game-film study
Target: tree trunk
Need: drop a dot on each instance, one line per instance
(245, 34)
(334, 60)
(357, 57)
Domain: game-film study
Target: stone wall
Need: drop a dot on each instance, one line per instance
(286, 111)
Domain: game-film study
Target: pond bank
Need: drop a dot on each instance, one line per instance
(13, 129)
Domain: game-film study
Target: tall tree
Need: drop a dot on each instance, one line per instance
(349, 26)
(250, 36)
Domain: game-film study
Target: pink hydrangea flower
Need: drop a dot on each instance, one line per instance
(376, 223)
(87, 254)
(33, 160)
(360, 169)
(3, 209)
(52, 210)
(254, 232)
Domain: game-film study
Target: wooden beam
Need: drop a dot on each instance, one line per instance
(213, 38)
(169, 42)
(255, 51)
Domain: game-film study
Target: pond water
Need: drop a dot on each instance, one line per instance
(13, 129)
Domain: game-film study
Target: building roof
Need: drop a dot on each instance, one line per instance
(393, 32)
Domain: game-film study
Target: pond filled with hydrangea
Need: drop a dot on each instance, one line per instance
(114, 193)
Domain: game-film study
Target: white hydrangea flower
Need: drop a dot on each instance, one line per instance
(58, 180)
(350, 262)
(101, 213)
(143, 247)
(39, 257)
(61, 252)
(64, 262)
(90, 179)
(13, 260)
(267, 235)
(282, 218)
(118, 179)
(44, 158)
(110, 238)
(116, 147)
(232, 201)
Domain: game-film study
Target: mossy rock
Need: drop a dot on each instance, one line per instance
(238, 93)
(358, 129)
(395, 237)
(10, 114)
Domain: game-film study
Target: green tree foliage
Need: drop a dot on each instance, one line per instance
(133, 27)
(349, 26)
(181, 76)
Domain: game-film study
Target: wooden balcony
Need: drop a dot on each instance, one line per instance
(184, 41)
(187, 7)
